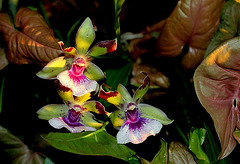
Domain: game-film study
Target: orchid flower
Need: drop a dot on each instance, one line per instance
(75, 70)
(135, 121)
(74, 114)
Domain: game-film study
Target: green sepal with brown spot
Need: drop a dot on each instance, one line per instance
(52, 110)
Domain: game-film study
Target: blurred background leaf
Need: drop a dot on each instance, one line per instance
(16, 150)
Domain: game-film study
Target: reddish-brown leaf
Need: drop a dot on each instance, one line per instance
(158, 79)
(217, 82)
(146, 40)
(179, 154)
(3, 60)
(192, 22)
(35, 42)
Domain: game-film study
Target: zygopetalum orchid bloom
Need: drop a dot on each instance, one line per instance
(75, 114)
(75, 70)
(136, 120)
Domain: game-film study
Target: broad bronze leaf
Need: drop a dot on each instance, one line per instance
(33, 42)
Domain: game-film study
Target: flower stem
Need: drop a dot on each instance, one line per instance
(181, 133)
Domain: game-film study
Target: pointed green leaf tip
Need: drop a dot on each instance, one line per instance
(162, 155)
(85, 36)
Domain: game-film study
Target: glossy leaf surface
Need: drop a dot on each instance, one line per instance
(196, 140)
(162, 155)
(90, 143)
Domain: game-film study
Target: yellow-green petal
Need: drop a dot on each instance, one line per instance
(140, 92)
(54, 67)
(85, 36)
(103, 47)
(87, 119)
(124, 93)
(94, 106)
(82, 99)
(52, 110)
(117, 118)
(151, 112)
(65, 93)
(93, 72)
(113, 97)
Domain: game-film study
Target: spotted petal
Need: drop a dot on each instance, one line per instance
(52, 110)
(140, 92)
(148, 111)
(139, 131)
(103, 47)
(113, 97)
(54, 67)
(58, 123)
(85, 36)
(88, 120)
(93, 72)
(117, 118)
(79, 85)
(94, 106)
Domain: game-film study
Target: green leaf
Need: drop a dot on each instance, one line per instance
(13, 4)
(90, 143)
(70, 32)
(228, 28)
(236, 134)
(117, 76)
(196, 139)
(48, 161)
(161, 156)
(211, 147)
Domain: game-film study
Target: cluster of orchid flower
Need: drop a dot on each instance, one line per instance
(76, 80)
